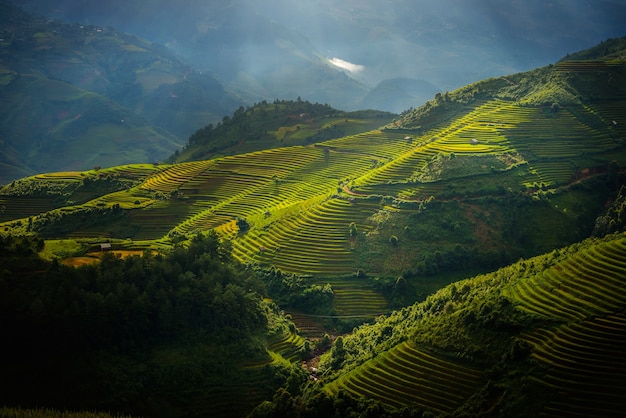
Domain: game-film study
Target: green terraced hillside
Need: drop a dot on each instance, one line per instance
(543, 337)
(583, 356)
(406, 376)
(476, 178)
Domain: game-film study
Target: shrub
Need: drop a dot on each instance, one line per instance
(353, 229)
(243, 225)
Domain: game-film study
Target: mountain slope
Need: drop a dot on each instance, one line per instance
(275, 125)
(77, 96)
(473, 180)
(541, 337)
(257, 57)
(51, 125)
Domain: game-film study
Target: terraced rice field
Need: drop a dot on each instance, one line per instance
(559, 136)
(61, 176)
(355, 299)
(554, 172)
(156, 220)
(551, 143)
(406, 375)
(267, 188)
(309, 326)
(584, 357)
(23, 207)
(316, 241)
(585, 366)
(481, 131)
(588, 66)
(358, 302)
(610, 111)
(175, 176)
(134, 171)
(288, 346)
(587, 284)
(380, 145)
(294, 198)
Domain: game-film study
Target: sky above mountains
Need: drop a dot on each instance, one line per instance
(314, 48)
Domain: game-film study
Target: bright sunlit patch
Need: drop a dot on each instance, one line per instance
(345, 65)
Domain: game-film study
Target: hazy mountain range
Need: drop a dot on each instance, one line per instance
(93, 83)
(284, 49)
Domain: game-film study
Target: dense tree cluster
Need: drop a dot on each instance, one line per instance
(294, 291)
(254, 123)
(615, 218)
(86, 337)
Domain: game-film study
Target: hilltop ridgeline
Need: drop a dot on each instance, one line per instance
(279, 124)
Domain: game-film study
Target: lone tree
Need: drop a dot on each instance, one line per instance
(353, 229)
(243, 225)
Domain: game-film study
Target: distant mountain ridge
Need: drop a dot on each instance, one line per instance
(265, 50)
(236, 53)
(77, 96)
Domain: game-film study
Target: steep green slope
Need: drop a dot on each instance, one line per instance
(542, 337)
(81, 129)
(473, 180)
